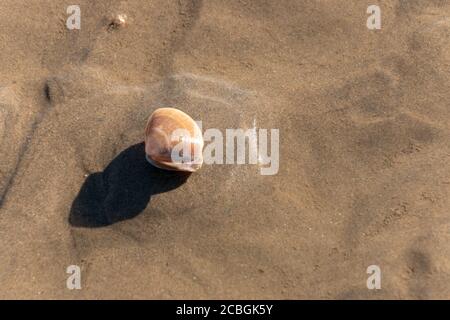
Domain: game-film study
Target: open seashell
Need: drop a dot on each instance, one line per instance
(173, 141)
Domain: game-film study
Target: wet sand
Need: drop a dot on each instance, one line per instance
(364, 173)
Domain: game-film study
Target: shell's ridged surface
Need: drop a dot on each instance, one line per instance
(159, 141)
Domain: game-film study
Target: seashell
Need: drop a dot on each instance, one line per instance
(117, 21)
(173, 141)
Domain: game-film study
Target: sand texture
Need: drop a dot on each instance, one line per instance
(364, 126)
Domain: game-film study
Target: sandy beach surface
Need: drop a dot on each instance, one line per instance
(363, 176)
